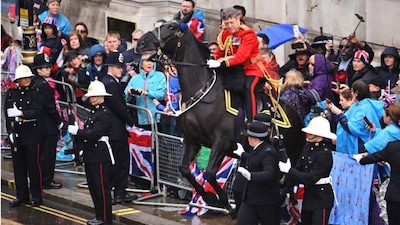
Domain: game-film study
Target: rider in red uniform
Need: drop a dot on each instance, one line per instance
(237, 45)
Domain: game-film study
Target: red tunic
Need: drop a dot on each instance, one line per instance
(240, 48)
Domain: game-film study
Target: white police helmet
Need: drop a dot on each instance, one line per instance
(96, 88)
(22, 71)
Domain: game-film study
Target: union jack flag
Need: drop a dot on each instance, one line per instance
(223, 173)
(140, 148)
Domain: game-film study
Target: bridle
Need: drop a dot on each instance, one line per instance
(165, 60)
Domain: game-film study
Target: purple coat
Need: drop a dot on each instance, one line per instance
(321, 81)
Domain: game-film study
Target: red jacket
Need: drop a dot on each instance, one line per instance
(241, 48)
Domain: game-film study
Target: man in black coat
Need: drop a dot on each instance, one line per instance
(261, 199)
(118, 135)
(49, 121)
(22, 110)
(313, 169)
(97, 152)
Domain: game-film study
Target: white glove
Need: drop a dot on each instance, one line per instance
(73, 129)
(14, 111)
(244, 172)
(12, 137)
(358, 157)
(60, 125)
(239, 151)
(212, 63)
(285, 167)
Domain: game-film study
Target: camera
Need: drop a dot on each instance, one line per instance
(134, 65)
(297, 45)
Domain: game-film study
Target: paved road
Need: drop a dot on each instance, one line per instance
(73, 205)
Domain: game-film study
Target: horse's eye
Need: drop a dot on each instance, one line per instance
(171, 27)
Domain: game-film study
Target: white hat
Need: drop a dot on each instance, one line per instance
(22, 71)
(96, 88)
(319, 126)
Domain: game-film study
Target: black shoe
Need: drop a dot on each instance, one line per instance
(96, 222)
(36, 203)
(126, 198)
(52, 185)
(18, 202)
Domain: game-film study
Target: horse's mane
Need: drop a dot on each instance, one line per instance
(189, 38)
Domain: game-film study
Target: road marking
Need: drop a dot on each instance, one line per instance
(48, 210)
(122, 212)
(9, 222)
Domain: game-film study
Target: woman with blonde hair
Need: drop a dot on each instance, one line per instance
(294, 92)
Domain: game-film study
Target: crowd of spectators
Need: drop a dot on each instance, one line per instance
(345, 81)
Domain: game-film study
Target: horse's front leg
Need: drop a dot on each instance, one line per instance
(217, 155)
(190, 151)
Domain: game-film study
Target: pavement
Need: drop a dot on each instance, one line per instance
(129, 213)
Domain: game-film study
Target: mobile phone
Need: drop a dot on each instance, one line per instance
(296, 30)
(366, 120)
(297, 45)
(328, 101)
(11, 10)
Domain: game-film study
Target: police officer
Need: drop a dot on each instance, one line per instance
(49, 121)
(313, 169)
(97, 152)
(118, 136)
(22, 111)
(240, 181)
(261, 199)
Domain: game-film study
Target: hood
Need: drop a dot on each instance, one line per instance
(390, 51)
(95, 49)
(141, 71)
(321, 65)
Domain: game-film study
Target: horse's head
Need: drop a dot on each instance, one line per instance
(163, 33)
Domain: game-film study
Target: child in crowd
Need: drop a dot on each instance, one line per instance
(171, 99)
(51, 43)
(12, 56)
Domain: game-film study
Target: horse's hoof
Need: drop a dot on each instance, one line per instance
(210, 198)
(233, 213)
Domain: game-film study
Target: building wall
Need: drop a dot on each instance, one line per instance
(335, 16)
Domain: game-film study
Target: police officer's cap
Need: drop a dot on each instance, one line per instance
(41, 60)
(263, 118)
(114, 58)
(257, 129)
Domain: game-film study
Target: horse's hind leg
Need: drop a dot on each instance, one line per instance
(190, 151)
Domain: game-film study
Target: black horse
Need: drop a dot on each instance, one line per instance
(205, 120)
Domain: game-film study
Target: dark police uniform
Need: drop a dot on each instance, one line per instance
(118, 136)
(48, 121)
(315, 162)
(96, 156)
(25, 149)
(261, 198)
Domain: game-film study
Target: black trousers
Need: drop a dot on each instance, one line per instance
(315, 217)
(98, 178)
(47, 146)
(393, 212)
(264, 214)
(26, 160)
(120, 171)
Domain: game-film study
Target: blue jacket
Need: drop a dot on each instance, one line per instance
(351, 125)
(62, 22)
(155, 84)
(382, 138)
(172, 98)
